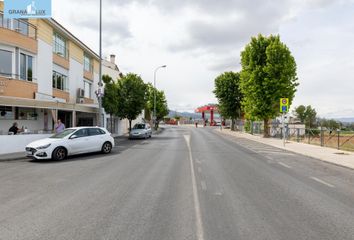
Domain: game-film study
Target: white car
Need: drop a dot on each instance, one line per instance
(71, 141)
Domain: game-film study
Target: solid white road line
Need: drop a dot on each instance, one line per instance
(198, 216)
(284, 165)
(323, 182)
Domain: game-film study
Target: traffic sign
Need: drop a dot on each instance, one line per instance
(284, 105)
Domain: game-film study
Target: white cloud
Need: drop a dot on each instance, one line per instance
(200, 39)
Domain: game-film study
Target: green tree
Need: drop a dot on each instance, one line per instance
(331, 124)
(227, 91)
(300, 113)
(109, 100)
(306, 114)
(131, 97)
(310, 117)
(161, 103)
(268, 74)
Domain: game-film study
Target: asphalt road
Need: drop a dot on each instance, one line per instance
(185, 183)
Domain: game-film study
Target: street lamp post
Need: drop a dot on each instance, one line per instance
(99, 95)
(154, 116)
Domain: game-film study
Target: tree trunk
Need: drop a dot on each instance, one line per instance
(232, 124)
(130, 125)
(111, 123)
(266, 128)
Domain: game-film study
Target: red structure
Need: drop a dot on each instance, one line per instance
(208, 108)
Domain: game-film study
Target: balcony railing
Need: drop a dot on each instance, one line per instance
(21, 26)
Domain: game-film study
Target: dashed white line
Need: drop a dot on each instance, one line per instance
(323, 182)
(198, 216)
(284, 165)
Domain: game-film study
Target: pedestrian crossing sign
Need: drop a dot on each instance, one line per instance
(284, 105)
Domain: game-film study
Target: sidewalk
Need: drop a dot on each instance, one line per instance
(330, 155)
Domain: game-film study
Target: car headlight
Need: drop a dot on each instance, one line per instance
(44, 146)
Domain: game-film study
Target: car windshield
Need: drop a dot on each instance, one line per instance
(63, 134)
(139, 126)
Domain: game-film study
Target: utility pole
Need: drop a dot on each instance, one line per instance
(99, 92)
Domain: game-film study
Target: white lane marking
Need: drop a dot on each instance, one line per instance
(284, 165)
(198, 216)
(199, 169)
(323, 182)
(218, 193)
(203, 184)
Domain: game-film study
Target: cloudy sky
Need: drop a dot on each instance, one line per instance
(199, 39)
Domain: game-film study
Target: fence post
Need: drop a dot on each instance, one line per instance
(338, 133)
(251, 127)
(309, 131)
(298, 134)
(322, 137)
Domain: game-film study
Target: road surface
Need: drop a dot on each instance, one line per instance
(184, 183)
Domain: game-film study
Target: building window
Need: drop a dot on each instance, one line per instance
(87, 89)
(25, 113)
(5, 63)
(59, 45)
(6, 113)
(88, 63)
(59, 81)
(26, 67)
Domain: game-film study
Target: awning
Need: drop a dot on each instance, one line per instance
(32, 103)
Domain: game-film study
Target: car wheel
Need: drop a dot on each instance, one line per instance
(107, 147)
(59, 154)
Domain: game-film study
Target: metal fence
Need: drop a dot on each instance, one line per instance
(341, 140)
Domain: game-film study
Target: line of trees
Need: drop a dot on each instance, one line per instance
(129, 96)
(308, 116)
(268, 73)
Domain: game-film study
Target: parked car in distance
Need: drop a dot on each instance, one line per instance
(71, 141)
(141, 130)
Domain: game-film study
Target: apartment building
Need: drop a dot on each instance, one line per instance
(46, 73)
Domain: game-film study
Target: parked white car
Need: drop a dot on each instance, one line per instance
(71, 141)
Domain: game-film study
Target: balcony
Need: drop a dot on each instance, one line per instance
(11, 87)
(20, 26)
(19, 33)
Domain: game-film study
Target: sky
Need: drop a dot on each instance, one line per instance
(200, 39)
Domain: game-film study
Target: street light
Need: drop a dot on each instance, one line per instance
(154, 117)
(99, 95)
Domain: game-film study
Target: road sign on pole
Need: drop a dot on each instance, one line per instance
(284, 105)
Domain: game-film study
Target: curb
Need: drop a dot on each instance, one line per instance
(13, 157)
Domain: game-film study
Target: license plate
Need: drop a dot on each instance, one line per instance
(29, 153)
